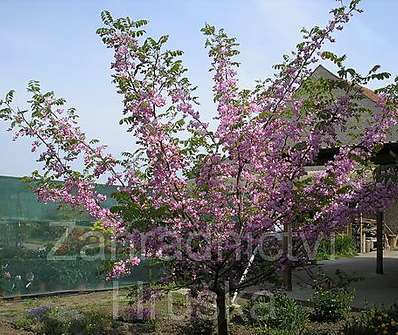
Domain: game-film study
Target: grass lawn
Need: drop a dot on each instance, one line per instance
(171, 319)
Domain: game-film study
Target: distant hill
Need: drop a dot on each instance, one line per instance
(19, 202)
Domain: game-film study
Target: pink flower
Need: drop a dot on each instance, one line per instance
(159, 101)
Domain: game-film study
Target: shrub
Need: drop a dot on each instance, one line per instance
(344, 246)
(321, 332)
(269, 331)
(280, 313)
(39, 313)
(374, 321)
(132, 314)
(26, 323)
(56, 322)
(198, 326)
(202, 318)
(59, 321)
(94, 323)
(331, 304)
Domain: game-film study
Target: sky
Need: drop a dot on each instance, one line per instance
(54, 41)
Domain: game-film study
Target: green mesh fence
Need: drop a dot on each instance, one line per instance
(46, 248)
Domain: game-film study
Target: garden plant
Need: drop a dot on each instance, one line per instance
(208, 202)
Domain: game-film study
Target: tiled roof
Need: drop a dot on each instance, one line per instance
(369, 94)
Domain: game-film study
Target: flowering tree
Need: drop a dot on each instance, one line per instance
(204, 200)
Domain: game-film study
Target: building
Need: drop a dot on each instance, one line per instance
(387, 159)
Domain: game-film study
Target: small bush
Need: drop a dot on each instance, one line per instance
(55, 323)
(26, 323)
(344, 246)
(269, 331)
(95, 323)
(47, 320)
(39, 313)
(198, 326)
(331, 304)
(321, 332)
(279, 314)
(132, 314)
(374, 321)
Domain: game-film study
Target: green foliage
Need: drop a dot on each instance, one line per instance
(373, 322)
(321, 331)
(279, 313)
(26, 323)
(62, 321)
(331, 304)
(391, 91)
(344, 246)
(95, 323)
(9, 97)
(198, 326)
(139, 217)
(5, 109)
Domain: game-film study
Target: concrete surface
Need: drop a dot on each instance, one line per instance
(370, 288)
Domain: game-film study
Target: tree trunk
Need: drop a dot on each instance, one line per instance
(380, 244)
(222, 322)
(286, 247)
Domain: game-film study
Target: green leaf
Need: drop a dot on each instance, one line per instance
(106, 17)
(374, 69)
(208, 29)
(163, 39)
(141, 23)
(9, 97)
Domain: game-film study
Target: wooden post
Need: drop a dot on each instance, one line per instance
(288, 278)
(380, 244)
(349, 229)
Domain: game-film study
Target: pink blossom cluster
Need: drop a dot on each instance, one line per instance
(123, 267)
